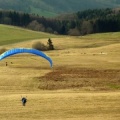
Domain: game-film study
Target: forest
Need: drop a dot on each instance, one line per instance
(79, 23)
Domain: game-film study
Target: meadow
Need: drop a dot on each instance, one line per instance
(83, 84)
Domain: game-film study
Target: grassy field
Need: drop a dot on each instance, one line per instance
(10, 35)
(84, 83)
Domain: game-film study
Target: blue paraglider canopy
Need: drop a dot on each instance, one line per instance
(25, 50)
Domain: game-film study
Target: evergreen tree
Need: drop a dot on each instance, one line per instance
(50, 45)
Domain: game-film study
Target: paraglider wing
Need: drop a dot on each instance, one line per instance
(25, 50)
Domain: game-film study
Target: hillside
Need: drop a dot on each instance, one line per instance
(75, 61)
(11, 34)
(53, 7)
(83, 84)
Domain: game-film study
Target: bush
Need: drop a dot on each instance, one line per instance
(39, 46)
(2, 50)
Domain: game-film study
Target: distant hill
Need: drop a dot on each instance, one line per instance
(50, 8)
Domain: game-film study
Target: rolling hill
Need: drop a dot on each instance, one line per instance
(84, 82)
(75, 61)
(53, 7)
(12, 34)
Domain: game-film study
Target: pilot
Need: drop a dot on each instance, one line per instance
(24, 100)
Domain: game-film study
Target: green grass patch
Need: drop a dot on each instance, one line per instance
(114, 86)
(10, 34)
(104, 36)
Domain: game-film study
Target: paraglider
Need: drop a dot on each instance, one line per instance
(25, 50)
(24, 100)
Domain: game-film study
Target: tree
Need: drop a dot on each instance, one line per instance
(34, 25)
(63, 30)
(25, 19)
(74, 32)
(86, 27)
(49, 30)
(6, 20)
(50, 45)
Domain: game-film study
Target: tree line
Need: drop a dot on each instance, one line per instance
(81, 23)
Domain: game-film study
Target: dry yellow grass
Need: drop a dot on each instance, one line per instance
(71, 60)
(61, 105)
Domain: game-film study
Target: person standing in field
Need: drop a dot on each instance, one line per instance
(24, 100)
